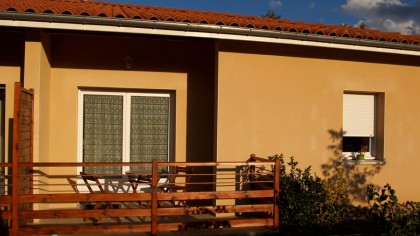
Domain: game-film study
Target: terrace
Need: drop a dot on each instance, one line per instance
(37, 202)
(45, 198)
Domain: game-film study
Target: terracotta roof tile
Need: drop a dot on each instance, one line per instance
(117, 10)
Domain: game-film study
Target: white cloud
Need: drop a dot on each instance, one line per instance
(404, 27)
(386, 15)
(276, 4)
(355, 5)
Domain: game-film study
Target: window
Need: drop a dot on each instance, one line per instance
(359, 124)
(123, 127)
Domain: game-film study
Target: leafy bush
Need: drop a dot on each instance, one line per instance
(312, 204)
(336, 197)
(390, 215)
(307, 200)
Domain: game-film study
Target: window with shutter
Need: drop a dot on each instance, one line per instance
(359, 124)
(123, 127)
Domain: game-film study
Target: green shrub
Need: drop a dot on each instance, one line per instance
(306, 200)
(312, 204)
(390, 215)
(336, 198)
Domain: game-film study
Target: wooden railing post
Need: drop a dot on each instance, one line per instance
(276, 212)
(15, 167)
(154, 207)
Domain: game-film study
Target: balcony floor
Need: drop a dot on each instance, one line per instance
(242, 231)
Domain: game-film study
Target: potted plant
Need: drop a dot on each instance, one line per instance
(360, 156)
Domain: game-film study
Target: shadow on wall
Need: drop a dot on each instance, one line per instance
(356, 176)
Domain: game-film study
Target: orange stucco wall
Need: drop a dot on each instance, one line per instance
(57, 65)
(66, 83)
(245, 98)
(95, 61)
(282, 99)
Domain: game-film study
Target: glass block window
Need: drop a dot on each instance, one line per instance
(103, 131)
(149, 129)
(123, 127)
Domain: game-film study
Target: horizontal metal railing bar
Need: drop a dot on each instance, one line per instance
(119, 176)
(160, 164)
(101, 213)
(83, 197)
(218, 184)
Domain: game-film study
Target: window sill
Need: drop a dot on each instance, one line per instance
(364, 162)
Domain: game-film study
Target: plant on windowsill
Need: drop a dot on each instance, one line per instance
(360, 156)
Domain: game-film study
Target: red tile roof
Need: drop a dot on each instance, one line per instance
(116, 10)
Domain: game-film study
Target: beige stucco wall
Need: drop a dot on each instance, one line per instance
(65, 84)
(56, 86)
(57, 65)
(183, 66)
(272, 104)
(270, 99)
(37, 76)
(61, 135)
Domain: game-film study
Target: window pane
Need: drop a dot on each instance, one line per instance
(102, 132)
(149, 129)
(354, 144)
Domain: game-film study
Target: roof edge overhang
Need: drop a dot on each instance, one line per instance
(135, 26)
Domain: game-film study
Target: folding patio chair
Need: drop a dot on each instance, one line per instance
(90, 181)
(173, 186)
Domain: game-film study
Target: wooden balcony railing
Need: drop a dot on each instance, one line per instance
(218, 194)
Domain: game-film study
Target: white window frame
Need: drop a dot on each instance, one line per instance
(126, 120)
(355, 104)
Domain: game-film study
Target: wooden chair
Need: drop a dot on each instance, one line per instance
(135, 180)
(173, 186)
(73, 184)
(90, 181)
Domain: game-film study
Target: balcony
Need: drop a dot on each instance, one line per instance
(52, 198)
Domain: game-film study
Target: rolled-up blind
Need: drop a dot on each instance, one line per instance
(359, 115)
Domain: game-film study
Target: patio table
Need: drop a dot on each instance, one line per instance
(142, 178)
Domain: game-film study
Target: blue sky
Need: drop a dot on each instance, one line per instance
(386, 15)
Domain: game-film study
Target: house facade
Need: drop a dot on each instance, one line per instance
(117, 82)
